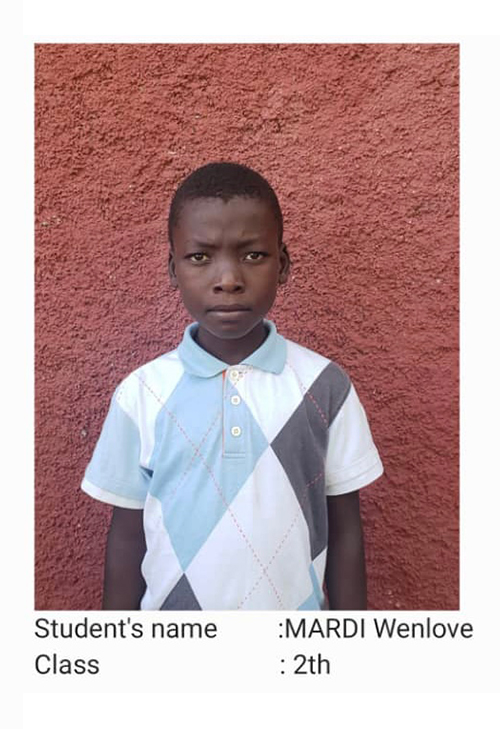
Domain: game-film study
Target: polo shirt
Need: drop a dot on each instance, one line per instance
(232, 465)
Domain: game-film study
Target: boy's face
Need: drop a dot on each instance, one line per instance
(227, 263)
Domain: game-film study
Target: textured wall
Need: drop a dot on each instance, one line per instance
(361, 144)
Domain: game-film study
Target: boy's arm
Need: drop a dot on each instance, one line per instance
(123, 581)
(345, 575)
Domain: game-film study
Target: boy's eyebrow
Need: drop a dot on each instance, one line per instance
(239, 244)
(201, 243)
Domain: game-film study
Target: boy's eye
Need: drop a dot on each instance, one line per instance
(255, 255)
(198, 257)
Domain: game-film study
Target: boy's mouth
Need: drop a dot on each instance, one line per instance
(225, 308)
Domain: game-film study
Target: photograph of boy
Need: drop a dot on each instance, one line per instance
(234, 461)
(246, 311)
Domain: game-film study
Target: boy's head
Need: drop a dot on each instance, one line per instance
(223, 180)
(227, 255)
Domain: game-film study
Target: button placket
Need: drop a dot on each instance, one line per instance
(234, 414)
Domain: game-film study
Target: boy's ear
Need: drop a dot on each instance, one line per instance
(171, 269)
(285, 264)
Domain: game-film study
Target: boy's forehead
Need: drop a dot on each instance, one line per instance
(241, 214)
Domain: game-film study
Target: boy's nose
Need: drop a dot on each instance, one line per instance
(229, 280)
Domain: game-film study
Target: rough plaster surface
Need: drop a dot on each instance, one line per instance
(361, 144)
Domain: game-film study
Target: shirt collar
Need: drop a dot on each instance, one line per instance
(270, 356)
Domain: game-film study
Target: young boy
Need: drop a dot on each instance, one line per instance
(233, 462)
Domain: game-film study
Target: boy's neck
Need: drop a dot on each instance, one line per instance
(232, 351)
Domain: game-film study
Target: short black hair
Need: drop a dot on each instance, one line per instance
(224, 180)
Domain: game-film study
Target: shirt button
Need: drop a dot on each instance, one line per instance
(235, 399)
(236, 431)
(233, 375)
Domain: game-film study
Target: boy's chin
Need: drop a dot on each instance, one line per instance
(228, 328)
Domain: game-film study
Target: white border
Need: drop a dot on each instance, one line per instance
(259, 21)
(463, 667)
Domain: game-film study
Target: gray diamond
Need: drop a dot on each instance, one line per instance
(301, 448)
(181, 597)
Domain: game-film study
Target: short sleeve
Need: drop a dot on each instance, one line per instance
(114, 474)
(352, 459)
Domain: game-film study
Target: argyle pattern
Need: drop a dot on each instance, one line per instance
(232, 465)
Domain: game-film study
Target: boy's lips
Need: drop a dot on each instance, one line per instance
(227, 308)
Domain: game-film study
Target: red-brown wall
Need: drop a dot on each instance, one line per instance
(361, 145)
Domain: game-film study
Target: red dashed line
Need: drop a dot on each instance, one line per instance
(153, 393)
(323, 416)
(305, 392)
(285, 537)
(212, 476)
(224, 501)
(183, 477)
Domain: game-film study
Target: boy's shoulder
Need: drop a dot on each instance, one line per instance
(154, 380)
(324, 384)
(299, 352)
(305, 359)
